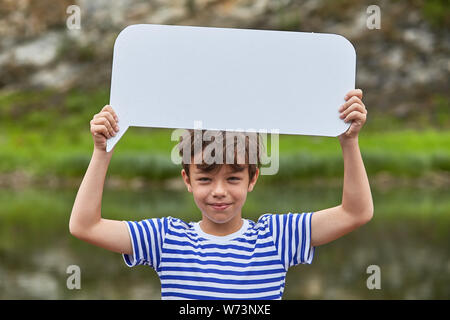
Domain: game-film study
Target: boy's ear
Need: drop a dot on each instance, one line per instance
(186, 180)
(252, 183)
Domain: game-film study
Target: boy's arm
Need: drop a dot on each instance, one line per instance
(86, 222)
(357, 205)
(356, 208)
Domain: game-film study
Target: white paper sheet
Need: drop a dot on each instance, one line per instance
(230, 79)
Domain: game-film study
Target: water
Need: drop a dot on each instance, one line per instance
(408, 240)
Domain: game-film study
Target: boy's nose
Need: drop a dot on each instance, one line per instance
(218, 194)
(219, 190)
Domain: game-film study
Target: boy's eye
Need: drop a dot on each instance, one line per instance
(204, 179)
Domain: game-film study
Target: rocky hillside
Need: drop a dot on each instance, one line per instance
(403, 66)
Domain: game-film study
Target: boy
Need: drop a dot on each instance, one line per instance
(223, 256)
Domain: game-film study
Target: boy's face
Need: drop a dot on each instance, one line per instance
(221, 194)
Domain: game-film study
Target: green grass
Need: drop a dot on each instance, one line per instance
(146, 153)
(47, 132)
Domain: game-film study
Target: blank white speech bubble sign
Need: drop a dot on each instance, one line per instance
(172, 76)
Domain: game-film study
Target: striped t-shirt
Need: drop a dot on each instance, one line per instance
(248, 264)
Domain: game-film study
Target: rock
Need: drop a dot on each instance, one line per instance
(421, 38)
(394, 58)
(60, 77)
(38, 52)
(168, 15)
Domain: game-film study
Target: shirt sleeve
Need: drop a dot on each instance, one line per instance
(292, 238)
(147, 238)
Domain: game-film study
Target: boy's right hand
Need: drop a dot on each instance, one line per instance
(104, 126)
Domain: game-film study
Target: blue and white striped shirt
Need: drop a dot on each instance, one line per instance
(248, 264)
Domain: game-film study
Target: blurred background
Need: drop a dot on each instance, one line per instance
(54, 78)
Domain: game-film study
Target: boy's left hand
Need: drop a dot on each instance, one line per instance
(353, 110)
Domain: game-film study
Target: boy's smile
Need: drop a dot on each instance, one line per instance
(220, 206)
(220, 196)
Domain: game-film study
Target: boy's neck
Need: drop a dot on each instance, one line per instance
(221, 229)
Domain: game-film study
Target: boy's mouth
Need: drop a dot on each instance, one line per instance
(220, 206)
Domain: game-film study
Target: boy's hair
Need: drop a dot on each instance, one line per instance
(233, 146)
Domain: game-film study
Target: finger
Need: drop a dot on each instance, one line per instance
(353, 107)
(97, 129)
(354, 92)
(111, 119)
(349, 102)
(106, 123)
(111, 110)
(355, 115)
(103, 121)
